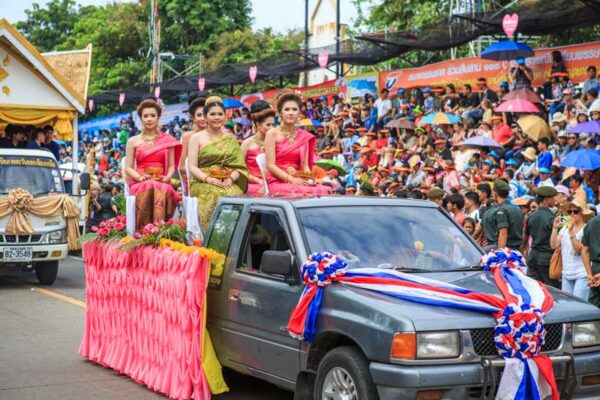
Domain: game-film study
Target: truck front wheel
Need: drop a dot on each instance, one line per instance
(46, 272)
(344, 374)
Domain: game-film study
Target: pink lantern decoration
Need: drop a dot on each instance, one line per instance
(253, 72)
(91, 105)
(157, 92)
(201, 84)
(323, 59)
(121, 99)
(509, 24)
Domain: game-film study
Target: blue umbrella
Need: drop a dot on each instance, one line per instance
(243, 121)
(362, 84)
(585, 127)
(586, 159)
(232, 103)
(507, 50)
(481, 141)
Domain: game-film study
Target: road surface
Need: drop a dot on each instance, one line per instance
(40, 330)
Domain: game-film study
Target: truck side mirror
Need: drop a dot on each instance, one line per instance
(84, 181)
(277, 263)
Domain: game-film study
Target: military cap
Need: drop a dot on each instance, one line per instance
(435, 193)
(501, 185)
(546, 191)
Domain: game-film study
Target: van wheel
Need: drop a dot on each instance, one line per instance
(344, 374)
(46, 272)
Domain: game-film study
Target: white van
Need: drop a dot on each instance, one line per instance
(37, 172)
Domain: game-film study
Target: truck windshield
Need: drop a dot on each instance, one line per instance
(396, 237)
(37, 175)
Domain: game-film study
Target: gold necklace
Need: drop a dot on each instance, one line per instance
(291, 136)
(259, 141)
(148, 141)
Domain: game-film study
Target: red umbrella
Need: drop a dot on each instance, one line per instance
(523, 94)
(517, 106)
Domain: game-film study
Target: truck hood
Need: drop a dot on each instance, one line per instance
(40, 225)
(424, 317)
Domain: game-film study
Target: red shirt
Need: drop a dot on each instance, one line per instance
(502, 133)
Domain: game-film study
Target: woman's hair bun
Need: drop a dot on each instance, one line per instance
(259, 106)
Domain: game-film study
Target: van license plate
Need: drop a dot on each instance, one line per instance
(18, 254)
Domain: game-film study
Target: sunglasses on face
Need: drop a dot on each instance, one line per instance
(573, 212)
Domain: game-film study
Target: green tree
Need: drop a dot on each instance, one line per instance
(49, 26)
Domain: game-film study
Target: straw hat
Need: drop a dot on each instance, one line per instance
(558, 117)
(529, 154)
(587, 213)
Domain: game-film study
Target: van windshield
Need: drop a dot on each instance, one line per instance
(398, 237)
(37, 175)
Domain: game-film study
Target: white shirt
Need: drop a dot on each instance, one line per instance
(547, 182)
(383, 107)
(573, 267)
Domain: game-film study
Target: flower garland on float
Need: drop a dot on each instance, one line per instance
(519, 333)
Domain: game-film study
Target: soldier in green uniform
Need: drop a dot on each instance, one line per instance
(539, 227)
(436, 195)
(591, 258)
(503, 223)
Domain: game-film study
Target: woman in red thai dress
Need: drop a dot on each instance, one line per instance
(151, 158)
(263, 118)
(290, 152)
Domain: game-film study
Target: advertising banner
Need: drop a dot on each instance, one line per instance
(466, 70)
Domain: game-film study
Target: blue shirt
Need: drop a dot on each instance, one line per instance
(33, 145)
(429, 105)
(544, 160)
(55, 149)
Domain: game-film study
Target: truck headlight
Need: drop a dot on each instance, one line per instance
(56, 237)
(438, 344)
(425, 345)
(586, 334)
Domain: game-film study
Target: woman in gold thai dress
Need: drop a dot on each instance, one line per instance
(215, 160)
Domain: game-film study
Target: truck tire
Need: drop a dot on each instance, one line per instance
(46, 272)
(344, 371)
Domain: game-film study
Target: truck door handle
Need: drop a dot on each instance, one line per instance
(234, 294)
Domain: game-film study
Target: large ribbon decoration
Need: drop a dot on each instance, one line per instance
(519, 333)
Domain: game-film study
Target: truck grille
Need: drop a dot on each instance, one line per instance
(20, 238)
(483, 340)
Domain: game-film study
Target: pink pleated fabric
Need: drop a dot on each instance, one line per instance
(144, 316)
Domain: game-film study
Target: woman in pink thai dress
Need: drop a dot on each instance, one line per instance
(151, 158)
(290, 152)
(263, 118)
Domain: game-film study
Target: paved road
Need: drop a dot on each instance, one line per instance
(40, 332)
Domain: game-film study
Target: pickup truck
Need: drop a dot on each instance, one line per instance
(252, 293)
(37, 172)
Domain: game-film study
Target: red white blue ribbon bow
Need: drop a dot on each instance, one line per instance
(519, 333)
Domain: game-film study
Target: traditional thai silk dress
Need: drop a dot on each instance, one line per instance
(154, 200)
(289, 157)
(223, 153)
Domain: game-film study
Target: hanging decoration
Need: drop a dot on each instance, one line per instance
(121, 99)
(91, 105)
(201, 84)
(253, 72)
(323, 59)
(510, 24)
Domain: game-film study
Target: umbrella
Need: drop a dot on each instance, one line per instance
(480, 141)
(440, 118)
(310, 122)
(585, 127)
(243, 121)
(401, 123)
(232, 103)
(362, 84)
(329, 164)
(507, 50)
(523, 94)
(517, 106)
(586, 159)
(534, 127)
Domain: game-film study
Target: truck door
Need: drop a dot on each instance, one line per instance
(259, 304)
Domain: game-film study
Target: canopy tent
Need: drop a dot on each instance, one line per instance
(536, 17)
(32, 92)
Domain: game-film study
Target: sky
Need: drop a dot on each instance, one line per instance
(266, 13)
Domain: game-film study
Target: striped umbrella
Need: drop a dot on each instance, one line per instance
(440, 118)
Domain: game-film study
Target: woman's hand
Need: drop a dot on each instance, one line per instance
(166, 179)
(556, 223)
(297, 181)
(227, 182)
(215, 182)
(144, 177)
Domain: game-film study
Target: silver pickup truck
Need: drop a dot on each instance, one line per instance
(355, 354)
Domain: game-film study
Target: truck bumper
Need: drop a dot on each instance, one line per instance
(43, 252)
(465, 381)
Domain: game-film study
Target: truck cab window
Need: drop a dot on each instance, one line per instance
(265, 233)
(220, 240)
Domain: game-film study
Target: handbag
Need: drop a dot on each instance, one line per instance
(556, 265)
